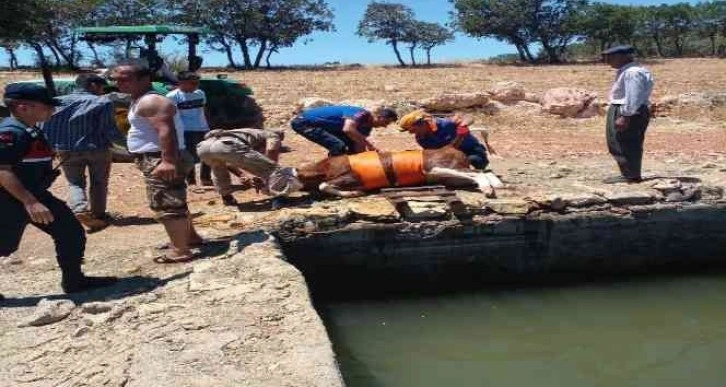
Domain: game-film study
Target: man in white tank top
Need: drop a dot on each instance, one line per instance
(156, 139)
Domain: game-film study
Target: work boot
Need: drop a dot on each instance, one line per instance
(82, 283)
(229, 200)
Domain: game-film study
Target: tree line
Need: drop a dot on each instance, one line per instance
(540, 30)
(256, 29)
(563, 28)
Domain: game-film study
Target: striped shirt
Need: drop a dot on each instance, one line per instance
(83, 122)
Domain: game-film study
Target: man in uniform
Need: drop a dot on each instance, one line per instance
(629, 113)
(253, 150)
(26, 173)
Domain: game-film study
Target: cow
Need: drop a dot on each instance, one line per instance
(354, 175)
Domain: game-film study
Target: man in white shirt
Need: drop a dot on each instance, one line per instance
(191, 103)
(629, 112)
(155, 141)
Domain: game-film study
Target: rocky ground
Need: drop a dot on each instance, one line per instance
(245, 318)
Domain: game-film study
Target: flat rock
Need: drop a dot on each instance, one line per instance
(630, 198)
(374, 209)
(416, 210)
(583, 200)
(49, 312)
(454, 101)
(509, 206)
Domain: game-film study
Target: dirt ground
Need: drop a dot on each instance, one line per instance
(531, 148)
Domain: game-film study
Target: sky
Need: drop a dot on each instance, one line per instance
(344, 46)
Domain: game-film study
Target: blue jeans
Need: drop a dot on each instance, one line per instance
(477, 157)
(98, 163)
(336, 144)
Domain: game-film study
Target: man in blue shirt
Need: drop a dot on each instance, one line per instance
(26, 173)
(82, 131)
(434, 133)
(342, 129)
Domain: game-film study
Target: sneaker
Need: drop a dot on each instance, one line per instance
(85, 283)
(229, 200)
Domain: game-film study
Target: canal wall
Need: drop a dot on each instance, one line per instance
(663, 225)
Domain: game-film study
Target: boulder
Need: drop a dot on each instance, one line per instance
(455, 101)
(507, 92)
(702, 100)
(532, 97)
(493, 108)
(569, 102)
(526, 107)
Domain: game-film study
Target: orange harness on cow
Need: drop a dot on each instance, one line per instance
(407, 169)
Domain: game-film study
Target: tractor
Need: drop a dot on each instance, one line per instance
(229, 102)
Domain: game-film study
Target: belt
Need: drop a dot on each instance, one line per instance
(146, 154)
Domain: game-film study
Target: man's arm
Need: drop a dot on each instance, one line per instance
(38, 212)
(350, 129)
(108, 122)
(635, 88)
(160, 112)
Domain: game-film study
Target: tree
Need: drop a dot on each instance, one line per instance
(388, 22)
(266, 24)
(710, 18)
(679, 21)
(504, 20)
(555, 25)
(608, 24)
(412, 36)
(654, 25)
(432, 35)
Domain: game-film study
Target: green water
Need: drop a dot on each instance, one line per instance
(646, 332)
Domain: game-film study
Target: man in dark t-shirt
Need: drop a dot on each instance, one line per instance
(26, 173)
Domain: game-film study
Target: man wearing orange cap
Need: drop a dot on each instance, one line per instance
(434, 133)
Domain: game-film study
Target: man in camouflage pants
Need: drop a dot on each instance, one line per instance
(253, 150)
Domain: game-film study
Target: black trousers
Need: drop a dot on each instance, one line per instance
(626, 146)
(67, 233)
(191, 140)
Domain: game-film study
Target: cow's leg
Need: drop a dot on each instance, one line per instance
(330, 189)
(456, 178)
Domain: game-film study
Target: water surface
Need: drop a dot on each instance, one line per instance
(645, 332)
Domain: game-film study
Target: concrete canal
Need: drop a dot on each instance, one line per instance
(567, 289)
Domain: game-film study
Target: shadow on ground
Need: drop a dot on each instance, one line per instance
(125, 287)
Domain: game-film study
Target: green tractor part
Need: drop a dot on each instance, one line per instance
(229, 102)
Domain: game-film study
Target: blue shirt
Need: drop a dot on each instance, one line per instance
(83, 122)
(27, 151)
(332, 118)
(445, 134)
